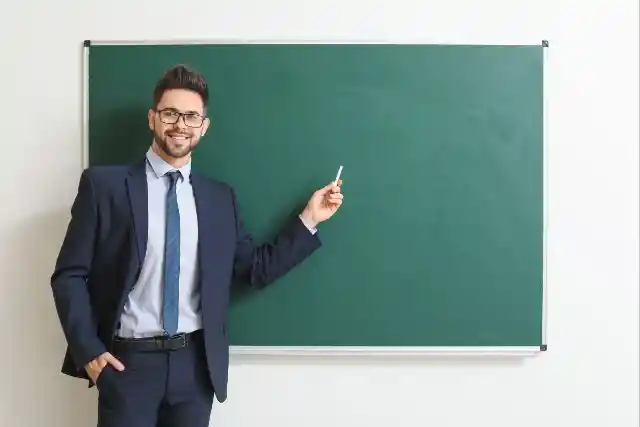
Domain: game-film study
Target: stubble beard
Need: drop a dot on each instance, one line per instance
(175, 152)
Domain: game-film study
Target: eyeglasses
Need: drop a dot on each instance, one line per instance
(170, 117)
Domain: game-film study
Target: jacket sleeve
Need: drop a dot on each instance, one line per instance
(69, 278)
(260, 265)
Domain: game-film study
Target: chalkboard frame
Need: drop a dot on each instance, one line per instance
(354, 350)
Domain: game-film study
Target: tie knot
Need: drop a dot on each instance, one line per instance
(173, 176)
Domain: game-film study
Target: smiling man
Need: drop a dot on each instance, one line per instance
(141, 284)
(173, 137)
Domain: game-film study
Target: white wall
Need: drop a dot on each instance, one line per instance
(590, 375)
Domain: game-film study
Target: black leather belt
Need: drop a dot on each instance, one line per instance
(158, 343)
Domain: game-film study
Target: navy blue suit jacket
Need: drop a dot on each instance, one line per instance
(104, 248)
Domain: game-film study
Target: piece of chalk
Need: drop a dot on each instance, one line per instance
(338, 175)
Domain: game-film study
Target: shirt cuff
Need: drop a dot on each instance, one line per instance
(313, 230)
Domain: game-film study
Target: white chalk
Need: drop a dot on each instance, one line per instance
(338, 176)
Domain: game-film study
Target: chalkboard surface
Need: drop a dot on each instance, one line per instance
(440, 240)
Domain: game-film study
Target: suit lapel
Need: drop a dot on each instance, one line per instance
(137, 192)
(210, 224)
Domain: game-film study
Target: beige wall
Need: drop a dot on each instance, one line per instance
(590, 375)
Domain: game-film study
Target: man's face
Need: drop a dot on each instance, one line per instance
(178, 122)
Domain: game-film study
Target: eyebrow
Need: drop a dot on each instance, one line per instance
(177, 110)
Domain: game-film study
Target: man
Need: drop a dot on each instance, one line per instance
(141, 284)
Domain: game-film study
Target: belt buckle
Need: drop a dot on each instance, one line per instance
(183, 340)
(174, 342)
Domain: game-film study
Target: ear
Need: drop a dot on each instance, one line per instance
(151, 116)
(205, 125)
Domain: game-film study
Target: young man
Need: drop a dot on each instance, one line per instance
(141, 284)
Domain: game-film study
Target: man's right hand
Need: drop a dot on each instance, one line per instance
(94, 368)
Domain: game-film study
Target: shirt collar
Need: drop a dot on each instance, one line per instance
(161, 167)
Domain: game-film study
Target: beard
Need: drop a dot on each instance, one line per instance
(174, 148)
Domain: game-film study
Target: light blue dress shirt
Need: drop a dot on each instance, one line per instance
(142, 315)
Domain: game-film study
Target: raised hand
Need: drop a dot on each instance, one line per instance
(323, 204)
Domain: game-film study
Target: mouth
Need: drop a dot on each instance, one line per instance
(178, 137)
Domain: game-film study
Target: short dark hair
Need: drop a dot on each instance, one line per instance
(181, 77)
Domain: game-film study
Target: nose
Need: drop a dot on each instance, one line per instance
(181, 124)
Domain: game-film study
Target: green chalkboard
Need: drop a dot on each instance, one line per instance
(440, 240)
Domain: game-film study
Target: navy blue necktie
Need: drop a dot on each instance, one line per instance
(171, 259)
